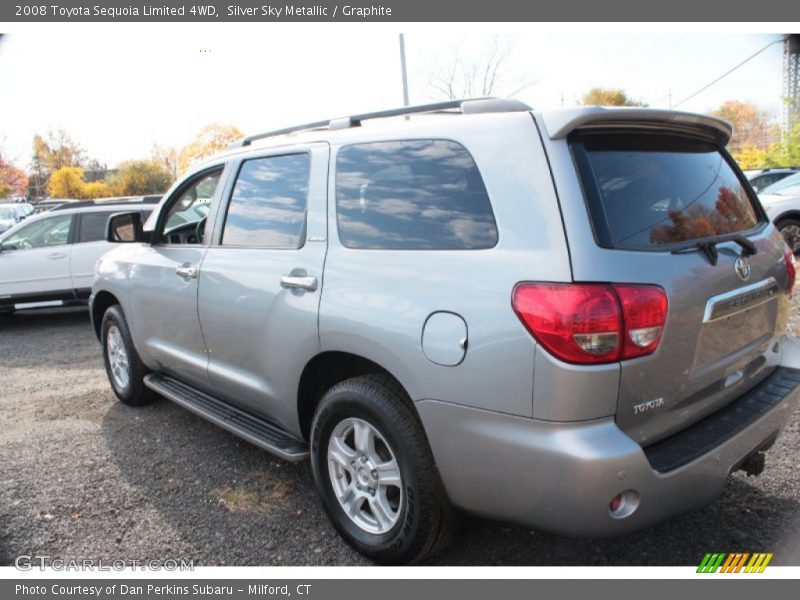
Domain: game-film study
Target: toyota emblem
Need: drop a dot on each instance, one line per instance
(742, 268)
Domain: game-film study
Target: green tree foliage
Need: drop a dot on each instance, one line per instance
(609, 97)
(784, 153)
(140, 177)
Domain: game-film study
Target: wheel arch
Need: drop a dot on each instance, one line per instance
(789, 214)
(100, 304)
(328, 368)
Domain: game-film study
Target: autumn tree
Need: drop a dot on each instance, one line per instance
(751, 127)
(751, 157)
(601, 96)
(785, 153)
(167, 157)
(52, 152)
(211, 140)
(487, 73)
(140, 177)
(13, 181)
(97, 189)
(67, 182)
(58, 150)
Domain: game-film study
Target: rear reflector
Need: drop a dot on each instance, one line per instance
(589, 323)
(624, 504)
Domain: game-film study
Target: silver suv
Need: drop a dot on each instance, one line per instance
(572, 319)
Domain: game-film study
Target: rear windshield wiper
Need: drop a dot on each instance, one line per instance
(748, 247)
(709, 248)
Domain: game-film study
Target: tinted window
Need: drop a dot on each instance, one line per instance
(268, 204)
(424, 194)
(93, 226)
(649, 190)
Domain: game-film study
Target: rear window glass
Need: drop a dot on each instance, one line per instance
(646, 191)
(414, 194)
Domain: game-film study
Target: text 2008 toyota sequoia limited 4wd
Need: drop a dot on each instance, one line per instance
(570, 319)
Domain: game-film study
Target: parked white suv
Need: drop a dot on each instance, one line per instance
(49, 258)
(781, 201)
(761, 179)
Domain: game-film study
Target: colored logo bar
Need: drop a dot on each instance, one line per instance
(734, 562)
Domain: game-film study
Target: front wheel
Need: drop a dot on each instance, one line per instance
(124, 369)
(375, 473)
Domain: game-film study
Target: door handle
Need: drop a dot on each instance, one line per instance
(299, 283)
(187, 270)
(56, 255)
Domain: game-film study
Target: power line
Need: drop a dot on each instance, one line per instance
(728, 72)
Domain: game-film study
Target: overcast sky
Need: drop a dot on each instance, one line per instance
(118, 89)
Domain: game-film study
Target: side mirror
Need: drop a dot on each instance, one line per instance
(125, 228)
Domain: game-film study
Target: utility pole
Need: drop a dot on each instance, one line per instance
(791, 81)
(403, 71)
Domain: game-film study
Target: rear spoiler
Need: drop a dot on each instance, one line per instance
(560, 123)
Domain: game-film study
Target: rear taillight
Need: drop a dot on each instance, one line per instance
(791, 269)
(588, 323)
(644, 312)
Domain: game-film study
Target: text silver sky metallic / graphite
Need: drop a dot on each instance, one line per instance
(290, 10)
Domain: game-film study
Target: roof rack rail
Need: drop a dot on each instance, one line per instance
(150, 199)
(468, 106)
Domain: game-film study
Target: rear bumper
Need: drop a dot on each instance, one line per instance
(561, 476)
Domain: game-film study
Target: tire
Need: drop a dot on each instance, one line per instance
(790, 230)
(419, 519)
(128, 381)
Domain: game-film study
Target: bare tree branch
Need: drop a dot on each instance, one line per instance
(466, 78)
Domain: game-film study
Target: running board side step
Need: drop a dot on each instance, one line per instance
(247, 426)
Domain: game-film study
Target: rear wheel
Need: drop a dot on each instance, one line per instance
(124, 369)
(375, 473)
(790, 229)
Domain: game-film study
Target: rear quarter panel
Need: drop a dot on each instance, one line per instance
(375, 302)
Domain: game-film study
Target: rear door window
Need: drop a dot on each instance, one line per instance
(413, 194)
(648, 191)
(92, 226)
